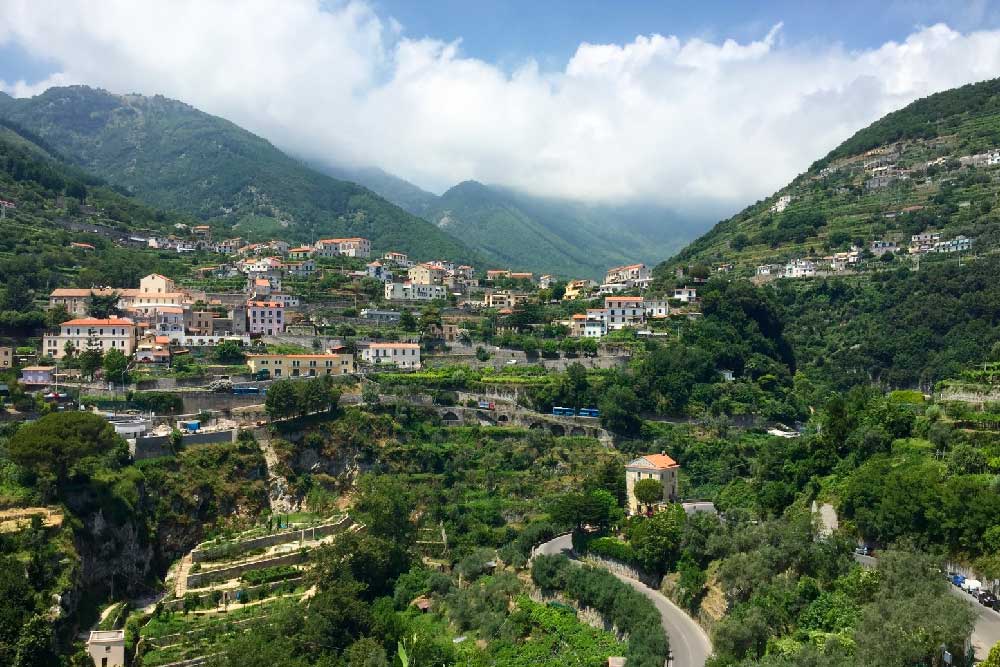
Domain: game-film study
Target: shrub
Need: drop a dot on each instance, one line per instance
(617, 602)
(269, 574)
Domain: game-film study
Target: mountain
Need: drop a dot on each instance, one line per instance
(171, 155)
(910, 172)
(400, 192)
(558, 236)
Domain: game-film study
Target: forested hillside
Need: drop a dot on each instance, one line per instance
(174, 156)
(924, 168)
(58, 205)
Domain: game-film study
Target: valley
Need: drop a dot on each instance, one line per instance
(253, 414)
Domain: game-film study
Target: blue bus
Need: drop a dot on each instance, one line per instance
(588, 412)
(563, 412)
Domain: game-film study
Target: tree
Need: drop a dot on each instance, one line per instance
(57, 444)
(384, 502)
(69, 349)
(656, 540)
(34, 646)
(993, 660)
(367, 652)
(430, 320)
(56, 316)
(17, 296)
(115, 365)
(90, 360)
(102, 305)
(406, 320)
(620, 411)
(282, 400)
(18, 604)
(229, 352)
(648, 491)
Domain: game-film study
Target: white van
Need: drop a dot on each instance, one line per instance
(971, 585)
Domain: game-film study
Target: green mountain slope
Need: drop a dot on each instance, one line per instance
(174, 156)
(553, 236)
(400, 192)
(837, 203)
(58, 205)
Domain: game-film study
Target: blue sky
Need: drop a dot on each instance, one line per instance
(550, 30)
(509, 32)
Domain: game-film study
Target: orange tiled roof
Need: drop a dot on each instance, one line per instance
(660, 461)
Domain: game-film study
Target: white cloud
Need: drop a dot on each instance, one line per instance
(689, 123)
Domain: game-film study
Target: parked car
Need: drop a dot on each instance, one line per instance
(971, 585)
(861, 550)
(987, 599)
(958, 579)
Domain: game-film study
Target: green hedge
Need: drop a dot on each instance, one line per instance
(609, 547)
(269, 574)
(617, 602)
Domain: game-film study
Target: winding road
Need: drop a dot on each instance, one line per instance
(689, 645)
(985, 633)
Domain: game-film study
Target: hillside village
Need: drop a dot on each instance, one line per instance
(328, 442)
(158, 321)
(921, 199)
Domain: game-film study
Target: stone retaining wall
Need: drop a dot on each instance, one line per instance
(198, 579)
(201, 554)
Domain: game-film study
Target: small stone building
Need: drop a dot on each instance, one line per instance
(107, 648)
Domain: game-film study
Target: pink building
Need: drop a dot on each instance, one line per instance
(266, 317)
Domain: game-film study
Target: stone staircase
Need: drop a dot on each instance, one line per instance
(180, 585)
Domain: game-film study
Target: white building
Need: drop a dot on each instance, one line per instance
(957, 244)
(414, 292)
(402, 355)
(588, 326)
(766, 269)
(628, 273)
(400, 259)
(378, 271)
(91, 333)
(686, 294)
(800, 268)
(347, 247)
(656, 308)
(782, 203)
(624, 311)
(107, 648)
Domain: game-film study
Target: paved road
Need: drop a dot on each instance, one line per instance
(986, 632)
(688, 642)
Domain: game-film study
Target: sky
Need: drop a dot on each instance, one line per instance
(703, 107)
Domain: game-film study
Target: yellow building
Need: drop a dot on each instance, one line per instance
(651, 466)
(299, 365)
(576, 289)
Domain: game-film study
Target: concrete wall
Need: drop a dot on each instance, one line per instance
(205, 552)
(159, 445)
(196, 401)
